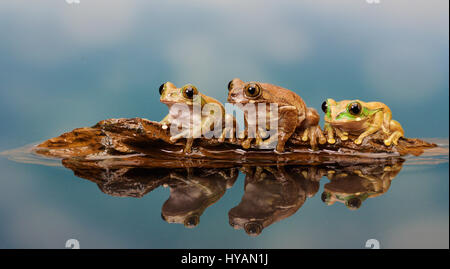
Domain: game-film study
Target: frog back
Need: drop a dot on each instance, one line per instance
(282, 96)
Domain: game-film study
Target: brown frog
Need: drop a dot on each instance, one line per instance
(292, 113)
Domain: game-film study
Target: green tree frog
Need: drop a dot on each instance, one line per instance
(361, 119)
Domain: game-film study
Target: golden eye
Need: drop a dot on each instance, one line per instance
(189, 91)
(354, 108)
(252, 90)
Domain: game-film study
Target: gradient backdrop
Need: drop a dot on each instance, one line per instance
(64, 66)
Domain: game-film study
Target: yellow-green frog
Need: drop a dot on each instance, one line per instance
(210, 110)
(359, 118)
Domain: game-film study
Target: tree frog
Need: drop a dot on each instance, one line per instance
(210, 110)
(359, 118)
(292, 113)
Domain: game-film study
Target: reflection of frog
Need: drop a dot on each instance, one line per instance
(354, 185)
(359, 118)
(192, 192)
(271, 194)
(211, 112)
(292, 113)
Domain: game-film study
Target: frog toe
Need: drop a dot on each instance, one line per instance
(246, 144)
(322, 140)
(279, 149)
(242, 135)
(305, 135)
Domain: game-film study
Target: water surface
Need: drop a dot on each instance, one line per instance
(403, 203)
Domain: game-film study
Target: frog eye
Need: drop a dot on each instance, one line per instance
(354, 108)
(189, 91)
(324, 106)
(161, 88)
(353, 203)
(253, 228)
(325, 197)
(191, 221)
(230, 85)
(252, 90)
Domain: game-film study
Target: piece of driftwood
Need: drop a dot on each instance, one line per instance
(150, 146)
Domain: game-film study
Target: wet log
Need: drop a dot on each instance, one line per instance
(148, 142)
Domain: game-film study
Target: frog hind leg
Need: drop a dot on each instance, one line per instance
(314, 134)
(229, 129)
(312, 129)
(373, 128)
(287, 123)
(387, 119)
(245, 136)
(397, 132)
(248, 135)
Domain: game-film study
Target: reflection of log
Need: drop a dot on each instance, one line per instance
(122, 182)
(130, 136)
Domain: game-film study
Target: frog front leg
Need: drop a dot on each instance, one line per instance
(253, 134)
(229, 129)
(251, 131)
(373, 128)
(197, 130)
(330, 133)
(189, 139)
(342, 134)
(165, 122)
(190, 134)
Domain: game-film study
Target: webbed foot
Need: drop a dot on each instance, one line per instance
(314, 135)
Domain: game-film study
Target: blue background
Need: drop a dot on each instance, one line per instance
(65, 66)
